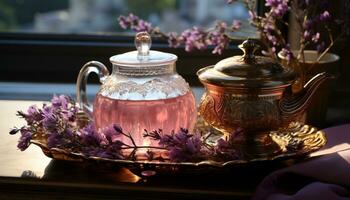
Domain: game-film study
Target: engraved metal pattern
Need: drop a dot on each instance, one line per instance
(296, 140)
(228, 112)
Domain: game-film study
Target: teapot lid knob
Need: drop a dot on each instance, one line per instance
(143, 44)
(249, 47)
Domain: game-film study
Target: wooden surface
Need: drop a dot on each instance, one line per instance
(13, 161)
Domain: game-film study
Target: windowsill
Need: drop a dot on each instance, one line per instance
(44, 91)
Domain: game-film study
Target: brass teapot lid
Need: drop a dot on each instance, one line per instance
(247, 71)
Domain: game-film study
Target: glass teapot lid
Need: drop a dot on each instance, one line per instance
(247, 71)
(144, 61)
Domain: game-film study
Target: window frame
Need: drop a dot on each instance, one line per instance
(46, 57)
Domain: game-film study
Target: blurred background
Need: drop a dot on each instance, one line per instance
(100, 16)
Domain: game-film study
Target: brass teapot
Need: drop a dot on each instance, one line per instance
(253, 93)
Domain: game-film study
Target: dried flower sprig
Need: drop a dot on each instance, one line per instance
(310, 16)
(59, 126)
(193, 39)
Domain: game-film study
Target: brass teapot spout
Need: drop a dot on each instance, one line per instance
(294, 105)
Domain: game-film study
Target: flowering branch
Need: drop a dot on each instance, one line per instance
(308, 15)
(193, 39)
(59, 126)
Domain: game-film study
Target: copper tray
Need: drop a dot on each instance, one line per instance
(296, 141)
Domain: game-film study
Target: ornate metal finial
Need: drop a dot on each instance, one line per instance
(248, 47)
(143, 44)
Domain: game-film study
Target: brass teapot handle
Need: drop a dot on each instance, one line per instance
(92, 66)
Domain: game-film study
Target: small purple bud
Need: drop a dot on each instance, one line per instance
(14, 131)
(236, 24)
(316, 37)
(325, 16)
(117, 128)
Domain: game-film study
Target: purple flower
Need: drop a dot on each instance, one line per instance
(33, 115)
(308, 24)
(325, 16)
(24, 140)
(142, 26)
(182, 145)
(51, 122)
(88, 135)
(155, 135)
(61, 101)
(307, 35)
(225, 150)
(190, 150)
(287, 53)
(272, 39)
(316, 37)
(219, 40)
(236, 24)
(54, 140)
(133, 22)
(252, 15)
(111, 133)
(194, 38)
(14, 131)
(123, 22)
(173, 40)
(278, 7)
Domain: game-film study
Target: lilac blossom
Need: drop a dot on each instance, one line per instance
(173, 39)
(61, 101)
(316, 37)
(226, 148)
(287, 53)
(135, 23)
(112, 133)
(32, 115)
(194, 38)
(24, 140)
(142, 26)
(182, 146)
(278, 7)
(50, 121)
(236, 25)
(325, 16)
(218, 38)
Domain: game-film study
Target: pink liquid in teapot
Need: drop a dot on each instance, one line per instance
(136, 115)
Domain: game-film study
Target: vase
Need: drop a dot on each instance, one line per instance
(316, 113)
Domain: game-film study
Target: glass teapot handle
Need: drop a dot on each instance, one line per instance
(92, 66)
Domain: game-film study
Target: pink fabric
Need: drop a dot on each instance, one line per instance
(322, 177)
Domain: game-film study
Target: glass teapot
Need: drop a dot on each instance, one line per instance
(143, 91)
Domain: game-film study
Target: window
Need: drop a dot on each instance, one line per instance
(100, 16)
(48, 41)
